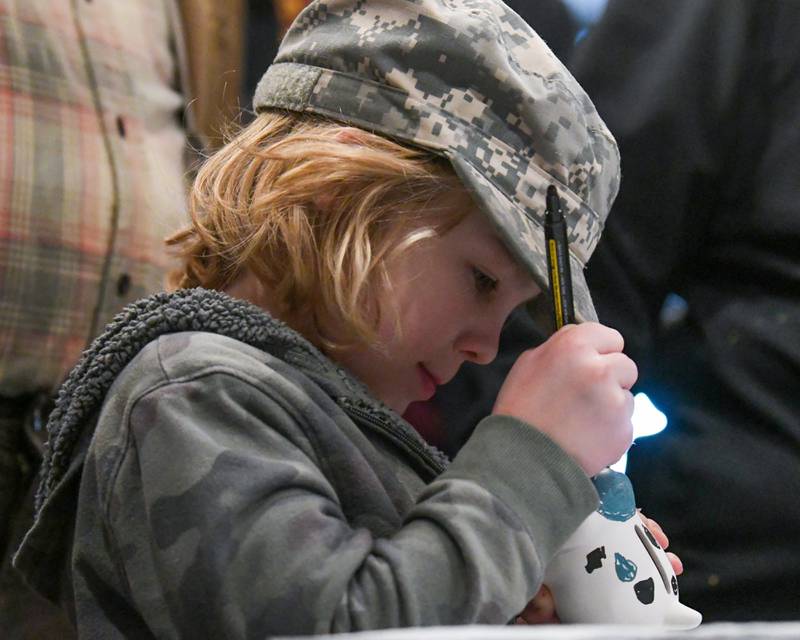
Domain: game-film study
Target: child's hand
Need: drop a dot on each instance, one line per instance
(661, 538)
(576, 389)
(540, 610)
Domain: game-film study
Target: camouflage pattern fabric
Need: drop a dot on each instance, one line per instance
(224, 479)
(470, 80)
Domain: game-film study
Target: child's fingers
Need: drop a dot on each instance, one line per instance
(540, 610)
(625, 370)
(605, 339)
(661, 538)
(675, 561)
(601, 338)
(656, 530)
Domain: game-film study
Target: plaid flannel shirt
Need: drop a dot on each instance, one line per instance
(92, 156)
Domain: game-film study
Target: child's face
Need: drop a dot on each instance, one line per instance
(452, 294)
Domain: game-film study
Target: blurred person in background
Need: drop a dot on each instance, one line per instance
(703, 97)
(93, 156)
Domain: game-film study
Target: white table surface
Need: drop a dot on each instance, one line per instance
(714, 631)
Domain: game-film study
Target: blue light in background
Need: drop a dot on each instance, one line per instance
(647, 421)
(585, 13)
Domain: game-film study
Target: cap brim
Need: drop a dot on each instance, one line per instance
(523, 235)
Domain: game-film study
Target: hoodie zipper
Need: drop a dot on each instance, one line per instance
(421, 452)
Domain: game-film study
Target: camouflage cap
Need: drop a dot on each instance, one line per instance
(470, 80)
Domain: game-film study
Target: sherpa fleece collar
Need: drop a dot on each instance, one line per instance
(72, 422)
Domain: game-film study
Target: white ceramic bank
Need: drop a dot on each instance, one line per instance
(612, 570)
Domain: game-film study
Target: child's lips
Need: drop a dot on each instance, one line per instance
(429, 382)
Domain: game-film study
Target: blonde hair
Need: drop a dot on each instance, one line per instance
(315, 210)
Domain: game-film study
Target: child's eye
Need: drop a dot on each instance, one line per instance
(483, 284)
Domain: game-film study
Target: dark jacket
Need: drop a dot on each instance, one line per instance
(703, 97)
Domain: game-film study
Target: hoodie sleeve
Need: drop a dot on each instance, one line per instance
(227, 526)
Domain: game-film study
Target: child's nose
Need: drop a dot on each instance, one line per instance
(479, 345)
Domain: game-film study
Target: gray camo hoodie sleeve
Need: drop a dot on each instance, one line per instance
(226, 522)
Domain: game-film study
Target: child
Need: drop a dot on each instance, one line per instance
(229, 461)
